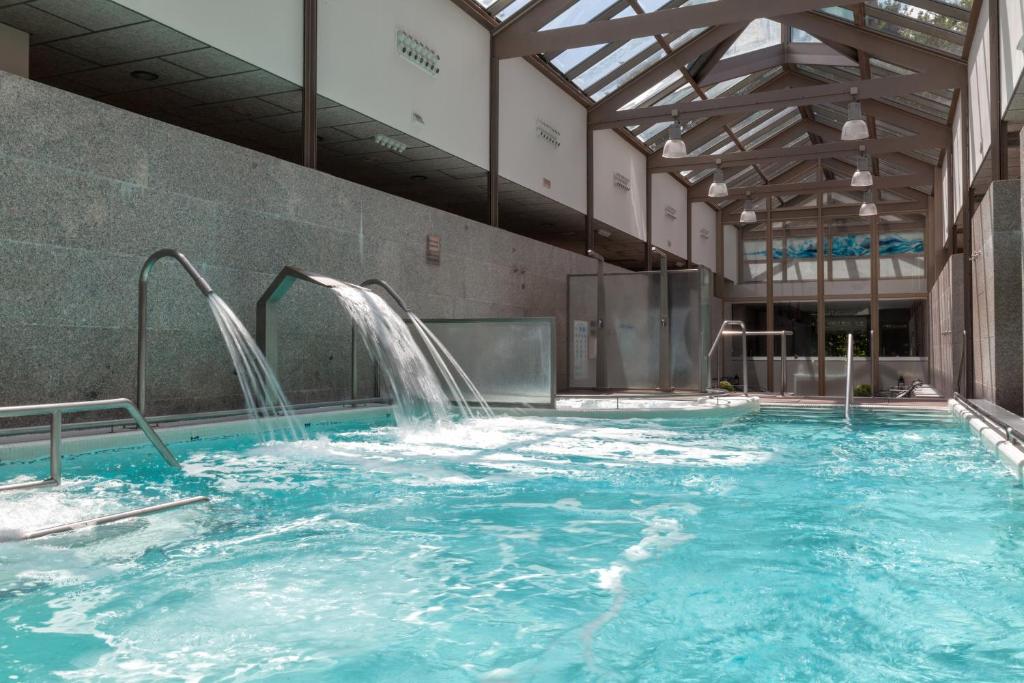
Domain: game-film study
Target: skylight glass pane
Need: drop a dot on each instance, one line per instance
(570, 58)
(612, 61)
(801, 36)
(580, 13)
(759, 34)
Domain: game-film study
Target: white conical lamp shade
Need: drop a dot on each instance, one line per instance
(748, 215)
(855, 128)
(718, 187)
(869, 208)
(863, 179)
(675, 148)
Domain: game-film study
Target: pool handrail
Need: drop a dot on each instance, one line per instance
(56, 411)
(108, 519)
(722, 332)
(849, 375)
(147, 268)
(978, 407)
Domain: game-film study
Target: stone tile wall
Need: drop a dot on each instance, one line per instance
(996, 277)
(87, 192)
(946, 324)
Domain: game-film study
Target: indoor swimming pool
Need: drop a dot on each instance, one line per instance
(782, 545)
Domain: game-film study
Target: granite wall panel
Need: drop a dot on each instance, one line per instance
(996, 278)
(87, 192)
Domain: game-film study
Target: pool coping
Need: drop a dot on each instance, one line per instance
(85, 440)
(1009, 453)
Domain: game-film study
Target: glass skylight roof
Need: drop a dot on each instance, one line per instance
(601, 70)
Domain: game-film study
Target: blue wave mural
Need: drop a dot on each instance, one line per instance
(846, 246)
(842, 246)
(901, 243)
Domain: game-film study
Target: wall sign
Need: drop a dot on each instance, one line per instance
(434, 249)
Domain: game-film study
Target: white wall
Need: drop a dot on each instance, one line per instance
(360, 67)
(667, 231)
(525, 158)
(13, 51)
(265, 33)
(359, 64)
(979, 72)
(704, 235)
(730, 244)
(1011, 26)
(619, 208)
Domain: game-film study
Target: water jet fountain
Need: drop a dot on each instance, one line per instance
(264, 398)
(417, 392)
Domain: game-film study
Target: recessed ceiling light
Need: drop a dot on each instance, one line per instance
(144, 75)
(418, 178)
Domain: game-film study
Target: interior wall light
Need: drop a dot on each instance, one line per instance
(748, 215)
(718, 188)
(419, 53)
(868, 207)
(863, 177)
(855, 128)
(390, 144)
(674, 147)
(548, 133)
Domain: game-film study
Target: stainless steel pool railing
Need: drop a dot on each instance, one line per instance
(56, 411)
(849, 376)
(724, 331)
(147, 268)
(769, 358)
(108, 519)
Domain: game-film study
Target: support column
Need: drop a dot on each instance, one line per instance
(874, 334)
(590, 189)
(309, 64)
(769, 307)
(494, 146)
(648, 258)
(821, 292)
(999, 154)
(967, 220)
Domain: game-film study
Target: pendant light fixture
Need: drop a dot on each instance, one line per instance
(868, 207)
(863, 177)
(674, 147)
(718, 188)
(855, 128)
(748, 215)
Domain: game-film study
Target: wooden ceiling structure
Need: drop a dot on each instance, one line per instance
(760, 88)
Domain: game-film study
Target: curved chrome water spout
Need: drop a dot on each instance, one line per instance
(147, 268)
(374, 282)
(266, 307)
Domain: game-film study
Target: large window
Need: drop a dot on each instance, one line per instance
(843, 318)
(902, 329)
(800, 318)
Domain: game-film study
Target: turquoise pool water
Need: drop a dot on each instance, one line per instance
(779, 546)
